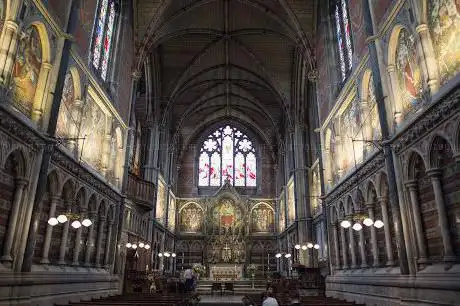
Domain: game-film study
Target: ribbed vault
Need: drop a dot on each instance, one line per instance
(224, 59)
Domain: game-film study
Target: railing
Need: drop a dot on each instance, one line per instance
(140, 191)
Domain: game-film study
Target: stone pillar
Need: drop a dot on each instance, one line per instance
(398, 111)
(65, 235)
(336, 245)
(76, 114)
(19, 184)
(429, 56)
(422, 253)
(352, 247)
(344, 248)
(41, 92)
(435, 175)
(99, 241)
(375, 250)
(90, 241)
(383, 201)
(108, 243)
(49, 230)
(362, 250)
(106, 145)
(77, 246)
(8, 49)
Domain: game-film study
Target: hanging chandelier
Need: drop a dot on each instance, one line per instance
(357, 221)
(71, 217)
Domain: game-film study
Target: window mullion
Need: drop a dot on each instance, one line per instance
(209, 169)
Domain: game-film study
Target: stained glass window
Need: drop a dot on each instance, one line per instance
(227, 154)
(104, 29)
(343, 36)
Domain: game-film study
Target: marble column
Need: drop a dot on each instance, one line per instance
(429, 56)
(352, 247)
(77, 246)
(49, 230)
(41, 92)
(362, 249)
(375, 250)
(8, 49)
(99, 241)
(90, 241)
(435, 175)
(421, 245)
(336, 245)
(344, 248)
(383, 201)
(63, 247)
(19, 184)
(108, 243)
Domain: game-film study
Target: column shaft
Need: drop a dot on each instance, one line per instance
(435, 175)
(362, 250)
(8, 48)
(17, 199)
(99, 242)
(388, 246)
(375, 250)
(49, 231)
(429, 56)
(77, 246)
(352, 248)
(107, 244)
(63, 247)
(336, 245)
(344, 248)
(421, 245)
(89, 244)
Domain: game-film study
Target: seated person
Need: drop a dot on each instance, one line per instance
(269, 300)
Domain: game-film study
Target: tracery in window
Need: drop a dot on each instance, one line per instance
(104, 28)
(343, 36)
(227, 154)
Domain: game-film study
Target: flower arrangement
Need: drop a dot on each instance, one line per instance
(199, 269)
(252, 268)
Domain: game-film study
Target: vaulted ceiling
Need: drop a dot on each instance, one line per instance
(225, 58)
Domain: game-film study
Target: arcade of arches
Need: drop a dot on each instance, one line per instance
(226, 132)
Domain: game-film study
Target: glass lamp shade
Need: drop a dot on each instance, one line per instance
(345, 224)
(287, 255)
(129, 245)
(316, 246)
(53, 221)
(86, 222)
(278, 255)
(357, 226)
(378, 224)
(368, 222)
(297, 246)
(304, 247)
(166, 254)
(76, 224)
(160, 255)
(141, 245)
(62, 218)
(147, 246)
(173, 254)
(309, 245)
(134, 246)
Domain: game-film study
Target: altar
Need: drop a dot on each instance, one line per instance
(225, 272)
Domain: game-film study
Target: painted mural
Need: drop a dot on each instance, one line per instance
(282, 214)
(291, 208)
(374, 121)
(2, 14)
(263, 220)
(444, 22)
(408, 71)
(27, 69)
(161, 202)
(352, 135)
(172, 212)
(315, 191)
(191, 219)
(92, 131)
(226, 214)
(66, 123)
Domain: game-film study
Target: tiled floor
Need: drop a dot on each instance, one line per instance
(221, 300)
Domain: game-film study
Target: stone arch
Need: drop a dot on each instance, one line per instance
(92, 204)
(191, 217)
(371, 193)
(349, 206)
(16, 164)
(262, 217)
(53, 183)
(80, 200)
(360, 201)
(415, 163)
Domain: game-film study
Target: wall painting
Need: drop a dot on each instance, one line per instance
(161, 201)
(291, 203)
(282, 213)
(191, 218)
(263, 220)
(172, 212)
(66, 124)
(351, 130)
(409, 73)
(27, 69)
(444, 22)
(92, 131)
